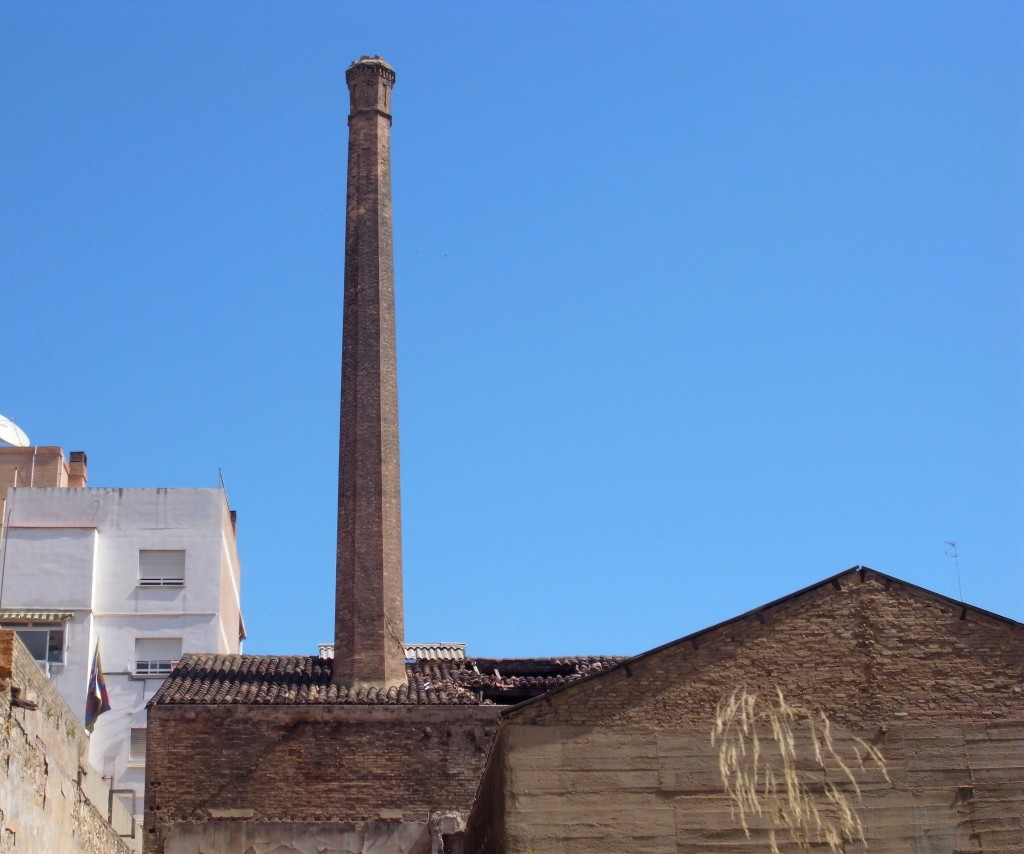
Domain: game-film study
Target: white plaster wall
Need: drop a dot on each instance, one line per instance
(72, 679)
(78, 550)
(189, 519)
(231, 586)
(50, 566)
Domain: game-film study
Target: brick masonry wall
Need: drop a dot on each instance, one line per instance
(310, 763)
(43, 807)
(869, 650)
(41, 466)
(624, 763)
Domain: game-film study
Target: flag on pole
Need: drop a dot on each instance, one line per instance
(98, 701)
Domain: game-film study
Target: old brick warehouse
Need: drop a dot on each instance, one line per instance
(387, 748)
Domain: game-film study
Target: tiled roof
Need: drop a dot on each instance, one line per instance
(200, 679)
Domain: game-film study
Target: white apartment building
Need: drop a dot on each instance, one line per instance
(146, 574)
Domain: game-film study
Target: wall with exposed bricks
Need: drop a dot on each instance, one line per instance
(624, 762)
(308, 763)
(42, 465)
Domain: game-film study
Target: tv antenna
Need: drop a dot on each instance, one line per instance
(956, 559)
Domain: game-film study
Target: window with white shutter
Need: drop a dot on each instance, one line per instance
(155, 656)
(161, 567)
(137, 747)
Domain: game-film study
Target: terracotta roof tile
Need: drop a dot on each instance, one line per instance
(204, 679)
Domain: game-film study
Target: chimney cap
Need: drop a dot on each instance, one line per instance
(377, 59)
(372, 66)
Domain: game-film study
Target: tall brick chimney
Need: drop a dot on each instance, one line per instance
(369, 625)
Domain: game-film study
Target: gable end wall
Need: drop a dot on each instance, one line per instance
(860, 648)
(623, 762)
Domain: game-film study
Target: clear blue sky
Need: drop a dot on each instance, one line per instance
(698, 303)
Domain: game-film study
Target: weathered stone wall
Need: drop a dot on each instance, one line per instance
(310, 764)
(624, 762)
(50, 800)
(485, 831)
(578, 789)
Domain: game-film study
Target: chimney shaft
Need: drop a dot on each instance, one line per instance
(77, 475)
(369, 626)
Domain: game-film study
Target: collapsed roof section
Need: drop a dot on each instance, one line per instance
(205, 680)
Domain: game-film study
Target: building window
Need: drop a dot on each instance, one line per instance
(137, 747)
(156, 656)
(44, 640)
(161, 567)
